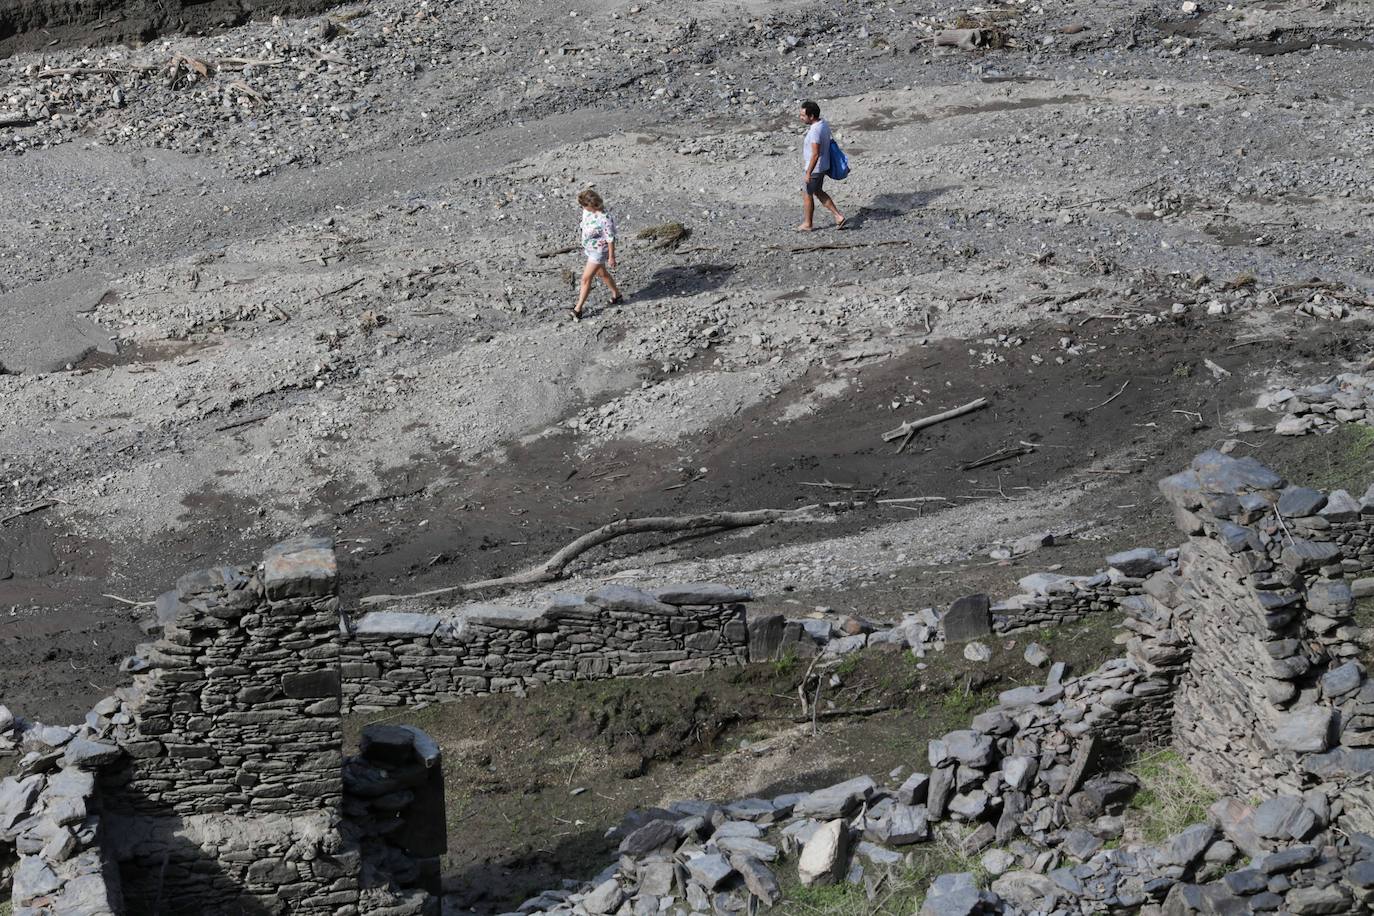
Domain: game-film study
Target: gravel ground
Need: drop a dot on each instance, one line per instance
(302, 274)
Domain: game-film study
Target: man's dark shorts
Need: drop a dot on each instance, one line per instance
(814, 186)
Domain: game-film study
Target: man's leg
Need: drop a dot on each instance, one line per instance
(829, 204)
(808, 210)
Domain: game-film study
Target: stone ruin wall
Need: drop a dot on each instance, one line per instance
(1275, 698)
(215, 782)
(230, 787)
(404, 659)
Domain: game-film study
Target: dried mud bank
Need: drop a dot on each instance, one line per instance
(296, 270)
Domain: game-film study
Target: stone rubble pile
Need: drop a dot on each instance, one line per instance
(1345, 398)
(49, 815)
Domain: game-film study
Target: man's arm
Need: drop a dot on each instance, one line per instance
(815, 158)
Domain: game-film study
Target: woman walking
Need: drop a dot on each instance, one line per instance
(598, 242)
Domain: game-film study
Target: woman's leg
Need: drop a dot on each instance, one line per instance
(609, 280)
(585, 290)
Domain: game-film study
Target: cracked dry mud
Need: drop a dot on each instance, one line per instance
(322, 305)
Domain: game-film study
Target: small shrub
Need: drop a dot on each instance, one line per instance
(848, 665)
(785, 666)
(668, 235)
(1171, 796)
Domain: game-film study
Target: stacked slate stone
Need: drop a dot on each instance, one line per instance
(49, 818)
(1275, 696)
(1050, 599)
(393, 658)
(1047, 599)
(1295, 863)
(1345, 398)
(227, 796)
(394, 812)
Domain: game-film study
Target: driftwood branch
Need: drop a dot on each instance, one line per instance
(29, 510)
(555, 567)
(907, 429)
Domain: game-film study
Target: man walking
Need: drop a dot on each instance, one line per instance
(815, 164)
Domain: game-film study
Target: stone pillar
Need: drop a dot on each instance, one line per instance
(231, 795)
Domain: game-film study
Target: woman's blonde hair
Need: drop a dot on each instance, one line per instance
(590, 200)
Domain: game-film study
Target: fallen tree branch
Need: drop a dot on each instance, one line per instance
(28, 510)
(244, 422)
(908, 428)
(555, 567)
(840, 246)
(1110, 399)
(841, 713)
(555, 252)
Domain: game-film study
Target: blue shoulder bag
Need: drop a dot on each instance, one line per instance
(839, 162)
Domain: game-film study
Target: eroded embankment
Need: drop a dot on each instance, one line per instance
(27, 25)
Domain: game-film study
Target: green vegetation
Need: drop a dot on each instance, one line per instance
(785, 666)
(849, 664)
(1171, 796)
(1341, 459)
(902, 889)
(665, 236)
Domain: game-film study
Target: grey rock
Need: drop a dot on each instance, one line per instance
(977, 652)
(1296, 502)
(1028, 891)
(709, 870)
(1029, 696)
(953, 894)
(901, 825)
(1036, 655)
(1080, 844)
(657, 878)
(826, 854)
(652, 836)
(968, 618)
(1018, 771)
(1138, 562)
(1306, 730)
(938, 791)
(1343, 680)
(757, 878)
(606, 897)
(388, 623)
(746, 846)
(837, 800)
(997, 862)
(1309, 901)
(1246, 881)
(913, 789)
(1184, 849)
(1273, 815)
(970, 806)
(993, 722)
(700, 594)
(846, 645)
(738, 828)
(626, 598)
(1285, 860)
(969, 748)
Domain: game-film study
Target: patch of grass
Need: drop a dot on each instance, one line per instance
(785, 666)
(665, 236)
(1343, 459)
(1171, 796)
(902, 891)
(848, 665)
(6, 907)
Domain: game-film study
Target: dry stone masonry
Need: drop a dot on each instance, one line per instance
(403, 659)
(216, 782)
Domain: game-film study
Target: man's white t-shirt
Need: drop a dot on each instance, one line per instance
(817, 134)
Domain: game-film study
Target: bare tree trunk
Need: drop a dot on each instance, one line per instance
(555, 567)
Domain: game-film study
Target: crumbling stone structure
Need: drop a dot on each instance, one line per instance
(399, 659)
